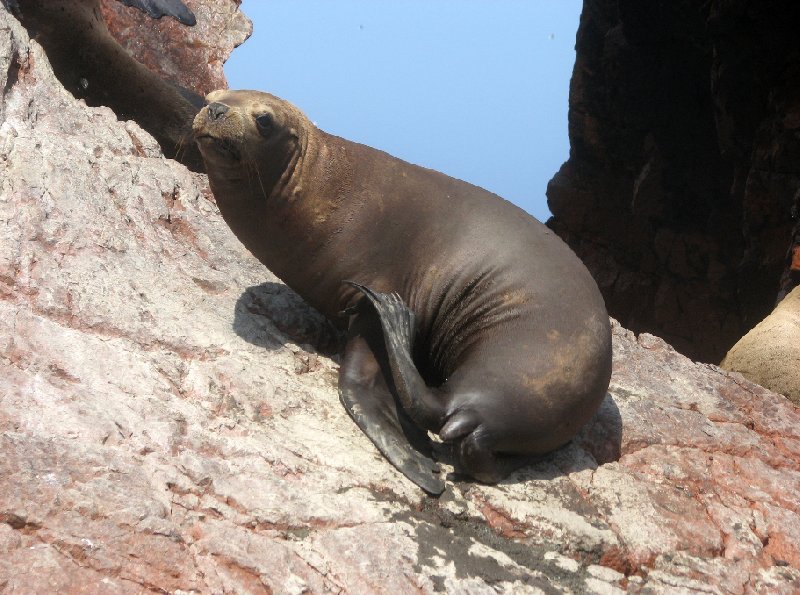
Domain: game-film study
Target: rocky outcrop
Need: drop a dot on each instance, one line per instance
(169, 419)
(770, 353)
(191, 57)
(153, 72)
(685, 164)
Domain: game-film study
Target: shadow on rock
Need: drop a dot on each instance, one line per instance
(262, 309)
(601, 437)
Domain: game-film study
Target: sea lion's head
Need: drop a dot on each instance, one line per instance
(250, 135)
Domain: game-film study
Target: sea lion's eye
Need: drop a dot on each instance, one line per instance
(264, 123)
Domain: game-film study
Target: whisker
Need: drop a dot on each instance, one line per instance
(251, 163)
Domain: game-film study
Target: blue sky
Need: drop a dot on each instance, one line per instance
(476, 89)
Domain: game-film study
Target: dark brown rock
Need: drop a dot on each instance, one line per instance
(791, 270)
(684, 163)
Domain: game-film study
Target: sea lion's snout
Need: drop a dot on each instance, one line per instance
(217, 131)
(216, 110)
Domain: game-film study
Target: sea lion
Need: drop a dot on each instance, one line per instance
(465, 315)
(93, 66)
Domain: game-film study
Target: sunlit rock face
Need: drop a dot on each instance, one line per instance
(191, 57)
(169, 419)
(683, 183)
(770, 353)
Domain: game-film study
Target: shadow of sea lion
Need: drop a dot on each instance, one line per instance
(262, 309)
(601, 437)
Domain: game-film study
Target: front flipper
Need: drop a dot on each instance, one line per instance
(159, 8)
(367, 397)
(419, 401)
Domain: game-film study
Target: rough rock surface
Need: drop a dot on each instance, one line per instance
(189, 56)
(684, 170)
(166, 424)
(769, 354)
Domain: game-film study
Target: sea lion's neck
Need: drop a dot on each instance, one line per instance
(279, 212)
(309, 210)
(291, 209)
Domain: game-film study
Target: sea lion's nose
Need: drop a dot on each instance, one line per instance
(216, 110)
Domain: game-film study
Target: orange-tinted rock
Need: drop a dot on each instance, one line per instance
(770, 353)
(189, 56)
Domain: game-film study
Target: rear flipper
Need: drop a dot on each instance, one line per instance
(159, 8)
(475, 451)
(364, 388)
